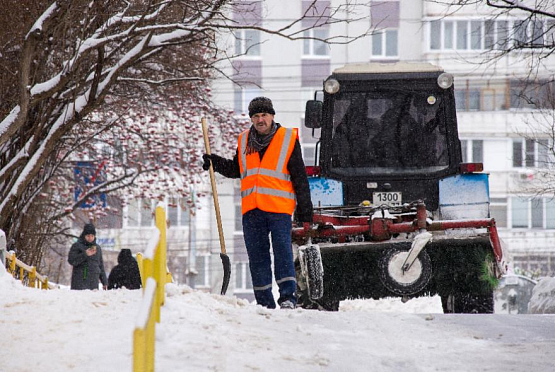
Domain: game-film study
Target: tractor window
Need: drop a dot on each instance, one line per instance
(389, 130)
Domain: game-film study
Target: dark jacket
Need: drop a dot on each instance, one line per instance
(295, 166)
(125, 273)
(87, 270)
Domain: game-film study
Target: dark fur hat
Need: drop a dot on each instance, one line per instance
(261, 105)
(89, 229)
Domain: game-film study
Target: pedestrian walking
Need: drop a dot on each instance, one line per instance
(126, 273)
(85, 256)
(274, 186)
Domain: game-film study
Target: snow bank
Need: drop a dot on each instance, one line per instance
(543, 297)
(91, 331)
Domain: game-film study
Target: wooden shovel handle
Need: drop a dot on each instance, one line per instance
(214, 190)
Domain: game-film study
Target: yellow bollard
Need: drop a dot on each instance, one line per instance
(161, 279)
(140, 263)
(155, 268)
(45, 283)
(139, 350)
(150, 341)
(32, 277)
(12, 263)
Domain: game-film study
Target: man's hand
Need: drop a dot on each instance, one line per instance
(91, 251)
(207, 160)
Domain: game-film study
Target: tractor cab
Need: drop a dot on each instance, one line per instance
(383, 126)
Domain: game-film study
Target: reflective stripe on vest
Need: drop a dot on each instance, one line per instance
(266, 184)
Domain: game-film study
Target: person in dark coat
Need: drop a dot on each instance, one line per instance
(86, 258)
(126, 273)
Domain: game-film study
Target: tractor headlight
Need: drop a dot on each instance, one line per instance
(331, 86)
(445, 80)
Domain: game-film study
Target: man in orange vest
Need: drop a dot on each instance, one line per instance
(273, 183)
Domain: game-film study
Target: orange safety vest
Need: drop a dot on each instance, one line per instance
(266, 184)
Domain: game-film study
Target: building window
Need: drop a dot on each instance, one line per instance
(203, 270)
(530, 33)
(476, 35)
(532, 94)
(495, 34)
(519, 212)
(132, 214)
(309, 154)
(311, 47)
(462, 35)
(550, 213)
(140, 212)
(535, 213)
(435, 35)
(530, 153)
(448, 33)
(550, 33)
(178, 213)
(247, 42)
(472, 151)
(238, 218)
(243, 281)
(384, 44)
(478, 95)
(242, 98)
(498, 211)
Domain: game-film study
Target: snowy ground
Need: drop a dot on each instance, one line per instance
(63, 330)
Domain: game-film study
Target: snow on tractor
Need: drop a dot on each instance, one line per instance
(397, 212)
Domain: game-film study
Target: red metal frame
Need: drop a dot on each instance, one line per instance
(381, 229)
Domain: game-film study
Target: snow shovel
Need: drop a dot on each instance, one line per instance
(223, 255)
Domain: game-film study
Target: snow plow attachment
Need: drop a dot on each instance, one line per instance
(405, 255)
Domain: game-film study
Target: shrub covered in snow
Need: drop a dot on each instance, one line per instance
(543, 297)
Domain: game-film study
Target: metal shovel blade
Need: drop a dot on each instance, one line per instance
(227, 271)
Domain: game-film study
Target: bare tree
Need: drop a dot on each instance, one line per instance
(522, 31)
(79, 74)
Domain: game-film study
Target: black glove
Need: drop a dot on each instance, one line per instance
(303, 217)
(207, 159)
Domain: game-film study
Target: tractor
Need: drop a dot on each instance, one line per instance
(396, 211)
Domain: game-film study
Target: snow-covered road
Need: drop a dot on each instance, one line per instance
(62, 330)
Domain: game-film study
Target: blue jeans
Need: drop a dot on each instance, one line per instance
(257, 225)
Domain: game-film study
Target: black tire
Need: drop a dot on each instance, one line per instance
(305, 301)
(311, 267)
(468, 303)
(392, 277)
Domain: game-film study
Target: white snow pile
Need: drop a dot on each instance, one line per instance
(62, 330)
(543, 297)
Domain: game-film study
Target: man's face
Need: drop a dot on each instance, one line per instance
(262, 122)
(89, 238)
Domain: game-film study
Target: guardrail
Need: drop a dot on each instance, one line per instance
(27, 274)
(152, 266)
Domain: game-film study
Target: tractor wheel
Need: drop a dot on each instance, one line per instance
(310, 285)
(401, 282)
(312, 270)
(468, 303)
